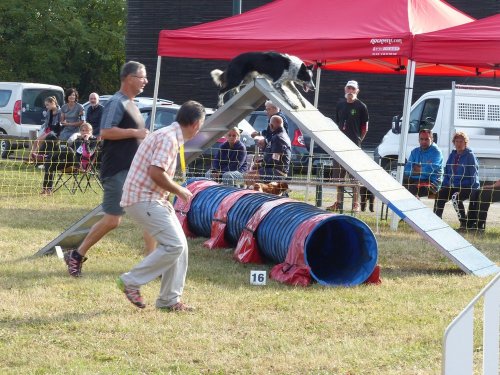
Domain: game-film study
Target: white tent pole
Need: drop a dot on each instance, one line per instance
(311, 146)
(155, 94)
(405, 126)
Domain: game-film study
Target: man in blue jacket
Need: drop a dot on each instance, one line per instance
(423, 173)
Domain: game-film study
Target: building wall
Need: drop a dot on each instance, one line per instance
(183, 79)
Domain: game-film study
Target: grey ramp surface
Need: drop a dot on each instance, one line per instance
(228, 116)
(326, 133)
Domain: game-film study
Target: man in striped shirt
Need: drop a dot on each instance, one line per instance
(145, 198)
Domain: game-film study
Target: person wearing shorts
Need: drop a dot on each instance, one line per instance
(122, 130)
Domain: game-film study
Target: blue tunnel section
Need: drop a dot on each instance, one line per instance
(339, 250)
(204, 206)
(276, 231)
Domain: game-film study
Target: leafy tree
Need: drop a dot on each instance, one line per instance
(71, 43)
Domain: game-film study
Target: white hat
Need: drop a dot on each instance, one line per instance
(352, 84)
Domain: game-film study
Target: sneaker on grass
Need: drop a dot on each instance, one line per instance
(74, 262)
(132, 294)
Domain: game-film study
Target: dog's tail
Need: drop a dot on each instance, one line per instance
(218, 77)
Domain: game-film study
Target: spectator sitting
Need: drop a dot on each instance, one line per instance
(51, 125)
(479, 205)
(71, 114)
(271, 110)
(277, 154)
(461, 178)
(230, 161)
(81, 147)
(423, 171)
(94, 113)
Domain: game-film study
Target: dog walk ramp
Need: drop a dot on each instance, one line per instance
(228, 116)
(74, 235)
(326, 133)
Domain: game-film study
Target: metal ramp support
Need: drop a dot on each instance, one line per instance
(74, 235)
(326, 133)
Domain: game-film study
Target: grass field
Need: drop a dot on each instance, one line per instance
(53, 324)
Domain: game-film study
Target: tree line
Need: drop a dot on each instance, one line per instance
(70, 43)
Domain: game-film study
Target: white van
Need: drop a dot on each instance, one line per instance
(474, 110)
(22, 108)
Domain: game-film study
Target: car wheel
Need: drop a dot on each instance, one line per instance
(5, 148)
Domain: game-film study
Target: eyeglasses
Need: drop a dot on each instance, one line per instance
(141, 78)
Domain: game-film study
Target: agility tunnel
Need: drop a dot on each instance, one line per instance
(304, 241)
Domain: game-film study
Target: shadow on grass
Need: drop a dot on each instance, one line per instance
(48, 321)
(41, 219)
(394, 272)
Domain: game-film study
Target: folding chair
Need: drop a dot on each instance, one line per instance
(79, 172)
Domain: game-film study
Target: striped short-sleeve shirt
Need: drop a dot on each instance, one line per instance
(160, 149)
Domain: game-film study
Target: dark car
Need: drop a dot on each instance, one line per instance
(300, 143)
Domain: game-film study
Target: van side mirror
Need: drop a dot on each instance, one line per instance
(396, 124)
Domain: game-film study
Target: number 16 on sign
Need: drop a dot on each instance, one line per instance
(258, 277)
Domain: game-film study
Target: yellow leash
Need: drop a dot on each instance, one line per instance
(183, 160)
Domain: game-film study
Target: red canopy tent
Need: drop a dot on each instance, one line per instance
(474, 44)
(374, 36)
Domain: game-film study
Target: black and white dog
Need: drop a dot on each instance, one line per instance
(280, 68)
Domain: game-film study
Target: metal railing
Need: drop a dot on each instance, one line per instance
(458, 346)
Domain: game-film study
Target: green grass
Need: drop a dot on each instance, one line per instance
(53, 324)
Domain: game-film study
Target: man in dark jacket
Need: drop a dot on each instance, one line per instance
(277, 154)
(94, 113)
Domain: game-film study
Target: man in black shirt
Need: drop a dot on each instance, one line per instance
(352, 119)
(122, 131)
(94, 113)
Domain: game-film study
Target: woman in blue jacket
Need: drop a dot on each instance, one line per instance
(461, 178)
(231, 160)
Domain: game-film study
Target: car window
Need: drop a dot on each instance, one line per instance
(145, 117)
(5, 97)
(260, 122)
(33, 101)
(429, 114)
(423, 116)
(164, 118)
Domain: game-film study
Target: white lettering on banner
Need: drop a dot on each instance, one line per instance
(386, 41)
(386, 49)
